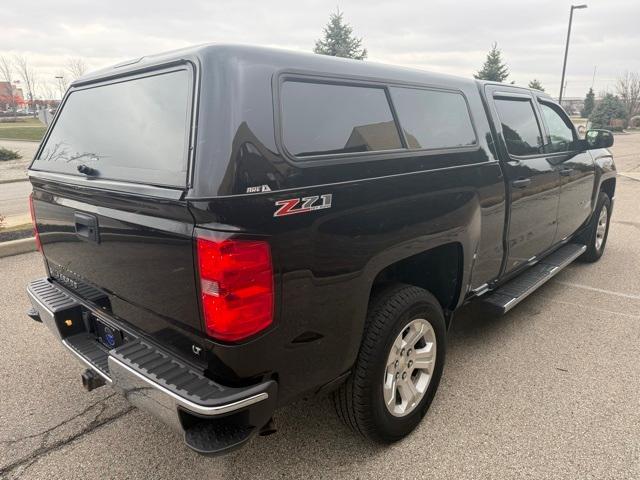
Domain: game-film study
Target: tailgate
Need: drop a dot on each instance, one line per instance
(140, 256)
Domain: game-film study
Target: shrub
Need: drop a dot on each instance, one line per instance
(6, 154)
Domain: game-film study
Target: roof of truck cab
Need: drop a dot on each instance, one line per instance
(539, 93)
(210, 55)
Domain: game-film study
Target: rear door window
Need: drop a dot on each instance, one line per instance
(134, 130)
(433, 119)
(330, 119)
(519, 126)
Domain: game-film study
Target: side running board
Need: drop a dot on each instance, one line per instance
(507, 296)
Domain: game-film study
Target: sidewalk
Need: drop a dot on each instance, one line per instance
(11, 221)
(14, 203)
(15, 170)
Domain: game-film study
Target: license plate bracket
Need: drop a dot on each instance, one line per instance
(108, 336)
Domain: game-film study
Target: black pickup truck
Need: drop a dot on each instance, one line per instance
(226, 229)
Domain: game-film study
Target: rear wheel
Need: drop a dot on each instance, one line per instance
(398, 367)
(595, 236)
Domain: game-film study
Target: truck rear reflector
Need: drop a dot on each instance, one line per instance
(236, 287)
(33, 221)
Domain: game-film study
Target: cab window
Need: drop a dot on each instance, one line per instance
(561, 136)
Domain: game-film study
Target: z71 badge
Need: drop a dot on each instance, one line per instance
(302, 205)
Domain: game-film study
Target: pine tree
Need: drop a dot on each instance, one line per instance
(339, 41)
(589, 103)
(535, 83)
(493, 69)
(609, 108)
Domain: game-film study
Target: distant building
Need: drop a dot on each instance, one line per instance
(573, 105)
(9, 95)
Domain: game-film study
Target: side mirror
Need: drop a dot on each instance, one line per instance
(598, 139)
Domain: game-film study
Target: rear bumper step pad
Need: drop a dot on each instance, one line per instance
(189, 388)
(89, 352)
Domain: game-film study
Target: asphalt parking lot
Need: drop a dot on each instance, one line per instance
(551, 390)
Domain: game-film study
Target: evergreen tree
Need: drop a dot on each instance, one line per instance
(535, 83)
(589, 103)
(493, 69)
(339, 41)
(607, 109)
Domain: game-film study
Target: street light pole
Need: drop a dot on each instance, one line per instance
(61, 88)
(566, 48)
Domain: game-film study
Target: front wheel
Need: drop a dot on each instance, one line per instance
(398, 367)
(595, 236)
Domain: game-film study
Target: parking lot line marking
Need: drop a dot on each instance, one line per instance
(601, 290)
(630, 175)
(602, 310)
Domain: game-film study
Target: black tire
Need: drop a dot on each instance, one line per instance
(359, 401)
(590, 235)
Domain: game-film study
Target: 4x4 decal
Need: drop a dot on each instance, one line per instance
(302, 205)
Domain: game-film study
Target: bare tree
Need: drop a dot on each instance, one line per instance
(6, 69)
(28, 76)
(6, 75)
(76, 67)
(47, 92)
(628, 89)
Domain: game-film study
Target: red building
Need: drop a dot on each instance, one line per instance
(10, 96)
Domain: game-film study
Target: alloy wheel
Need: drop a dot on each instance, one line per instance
(601, 228)
(409, 367)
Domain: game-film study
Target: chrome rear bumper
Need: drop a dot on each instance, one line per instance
(150, 377)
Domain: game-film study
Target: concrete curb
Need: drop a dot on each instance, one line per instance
(16, 247)
(18, 140)
(14, 180)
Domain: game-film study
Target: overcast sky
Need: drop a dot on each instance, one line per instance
(444, 36)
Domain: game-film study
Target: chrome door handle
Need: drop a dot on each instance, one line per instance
(521, 183)
(566, 172)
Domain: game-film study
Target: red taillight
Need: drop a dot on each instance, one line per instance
(33, 222)
(236, 285)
